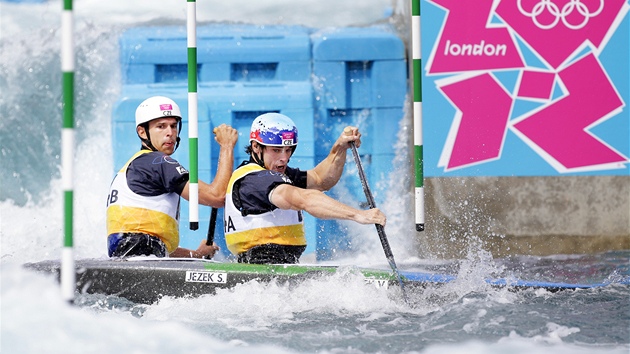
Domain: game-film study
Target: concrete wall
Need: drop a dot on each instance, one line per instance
(525, 215)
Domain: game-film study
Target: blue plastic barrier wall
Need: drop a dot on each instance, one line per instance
(356, 76)
(361, 80)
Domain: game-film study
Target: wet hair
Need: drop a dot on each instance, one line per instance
(249, 150)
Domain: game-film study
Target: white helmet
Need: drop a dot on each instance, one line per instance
(157, 107)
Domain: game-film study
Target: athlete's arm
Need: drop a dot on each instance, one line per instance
(200, 252)
(327, 173)
(213, 194)
(318, 204)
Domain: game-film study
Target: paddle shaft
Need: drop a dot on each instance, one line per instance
(379, 228)
(212, 226)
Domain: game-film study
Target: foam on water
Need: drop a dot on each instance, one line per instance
(35, 319)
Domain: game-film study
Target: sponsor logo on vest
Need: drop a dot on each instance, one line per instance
(181, 170)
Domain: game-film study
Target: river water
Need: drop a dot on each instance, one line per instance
(338, 314)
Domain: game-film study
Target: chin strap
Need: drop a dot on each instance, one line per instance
(147, 142)
(258, 160)
(179, 132)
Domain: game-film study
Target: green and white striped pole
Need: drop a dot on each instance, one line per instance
(417, 112)
(67, 150)
(193, 129)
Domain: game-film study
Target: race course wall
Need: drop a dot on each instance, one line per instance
(526, 215)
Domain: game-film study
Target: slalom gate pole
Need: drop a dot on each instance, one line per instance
(68, 275)
(417, 113)
(193, 128)
(379, 228)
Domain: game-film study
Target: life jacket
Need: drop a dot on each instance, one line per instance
(130, 212)
(245, 230)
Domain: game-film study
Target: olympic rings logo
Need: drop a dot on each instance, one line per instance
(560, 14)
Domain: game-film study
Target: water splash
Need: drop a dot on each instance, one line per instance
(31, 104)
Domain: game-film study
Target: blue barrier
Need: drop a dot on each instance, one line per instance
(246, 70)
(224, 53)
(361, 80)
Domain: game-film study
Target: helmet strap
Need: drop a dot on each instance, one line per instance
(147, 142)
(259, 159)
(179, 130)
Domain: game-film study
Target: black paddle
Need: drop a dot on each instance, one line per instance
(211, 227)
(379, 228)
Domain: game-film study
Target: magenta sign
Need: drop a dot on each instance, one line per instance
(525, 87)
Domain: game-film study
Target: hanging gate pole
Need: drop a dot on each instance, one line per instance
(68, 274)
(193, 127)
(417, 113)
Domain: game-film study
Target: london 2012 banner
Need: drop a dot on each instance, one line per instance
(525, 87)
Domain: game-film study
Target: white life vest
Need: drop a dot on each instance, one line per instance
(130, 212)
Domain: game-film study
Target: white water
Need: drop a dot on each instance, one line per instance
(338, 315)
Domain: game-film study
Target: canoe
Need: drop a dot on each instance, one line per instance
(146, 279)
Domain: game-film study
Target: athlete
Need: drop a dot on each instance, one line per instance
(143, 201)
(265, 197)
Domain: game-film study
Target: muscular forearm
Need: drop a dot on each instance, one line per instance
(201, 251)
(181, 252)
(322, 206)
